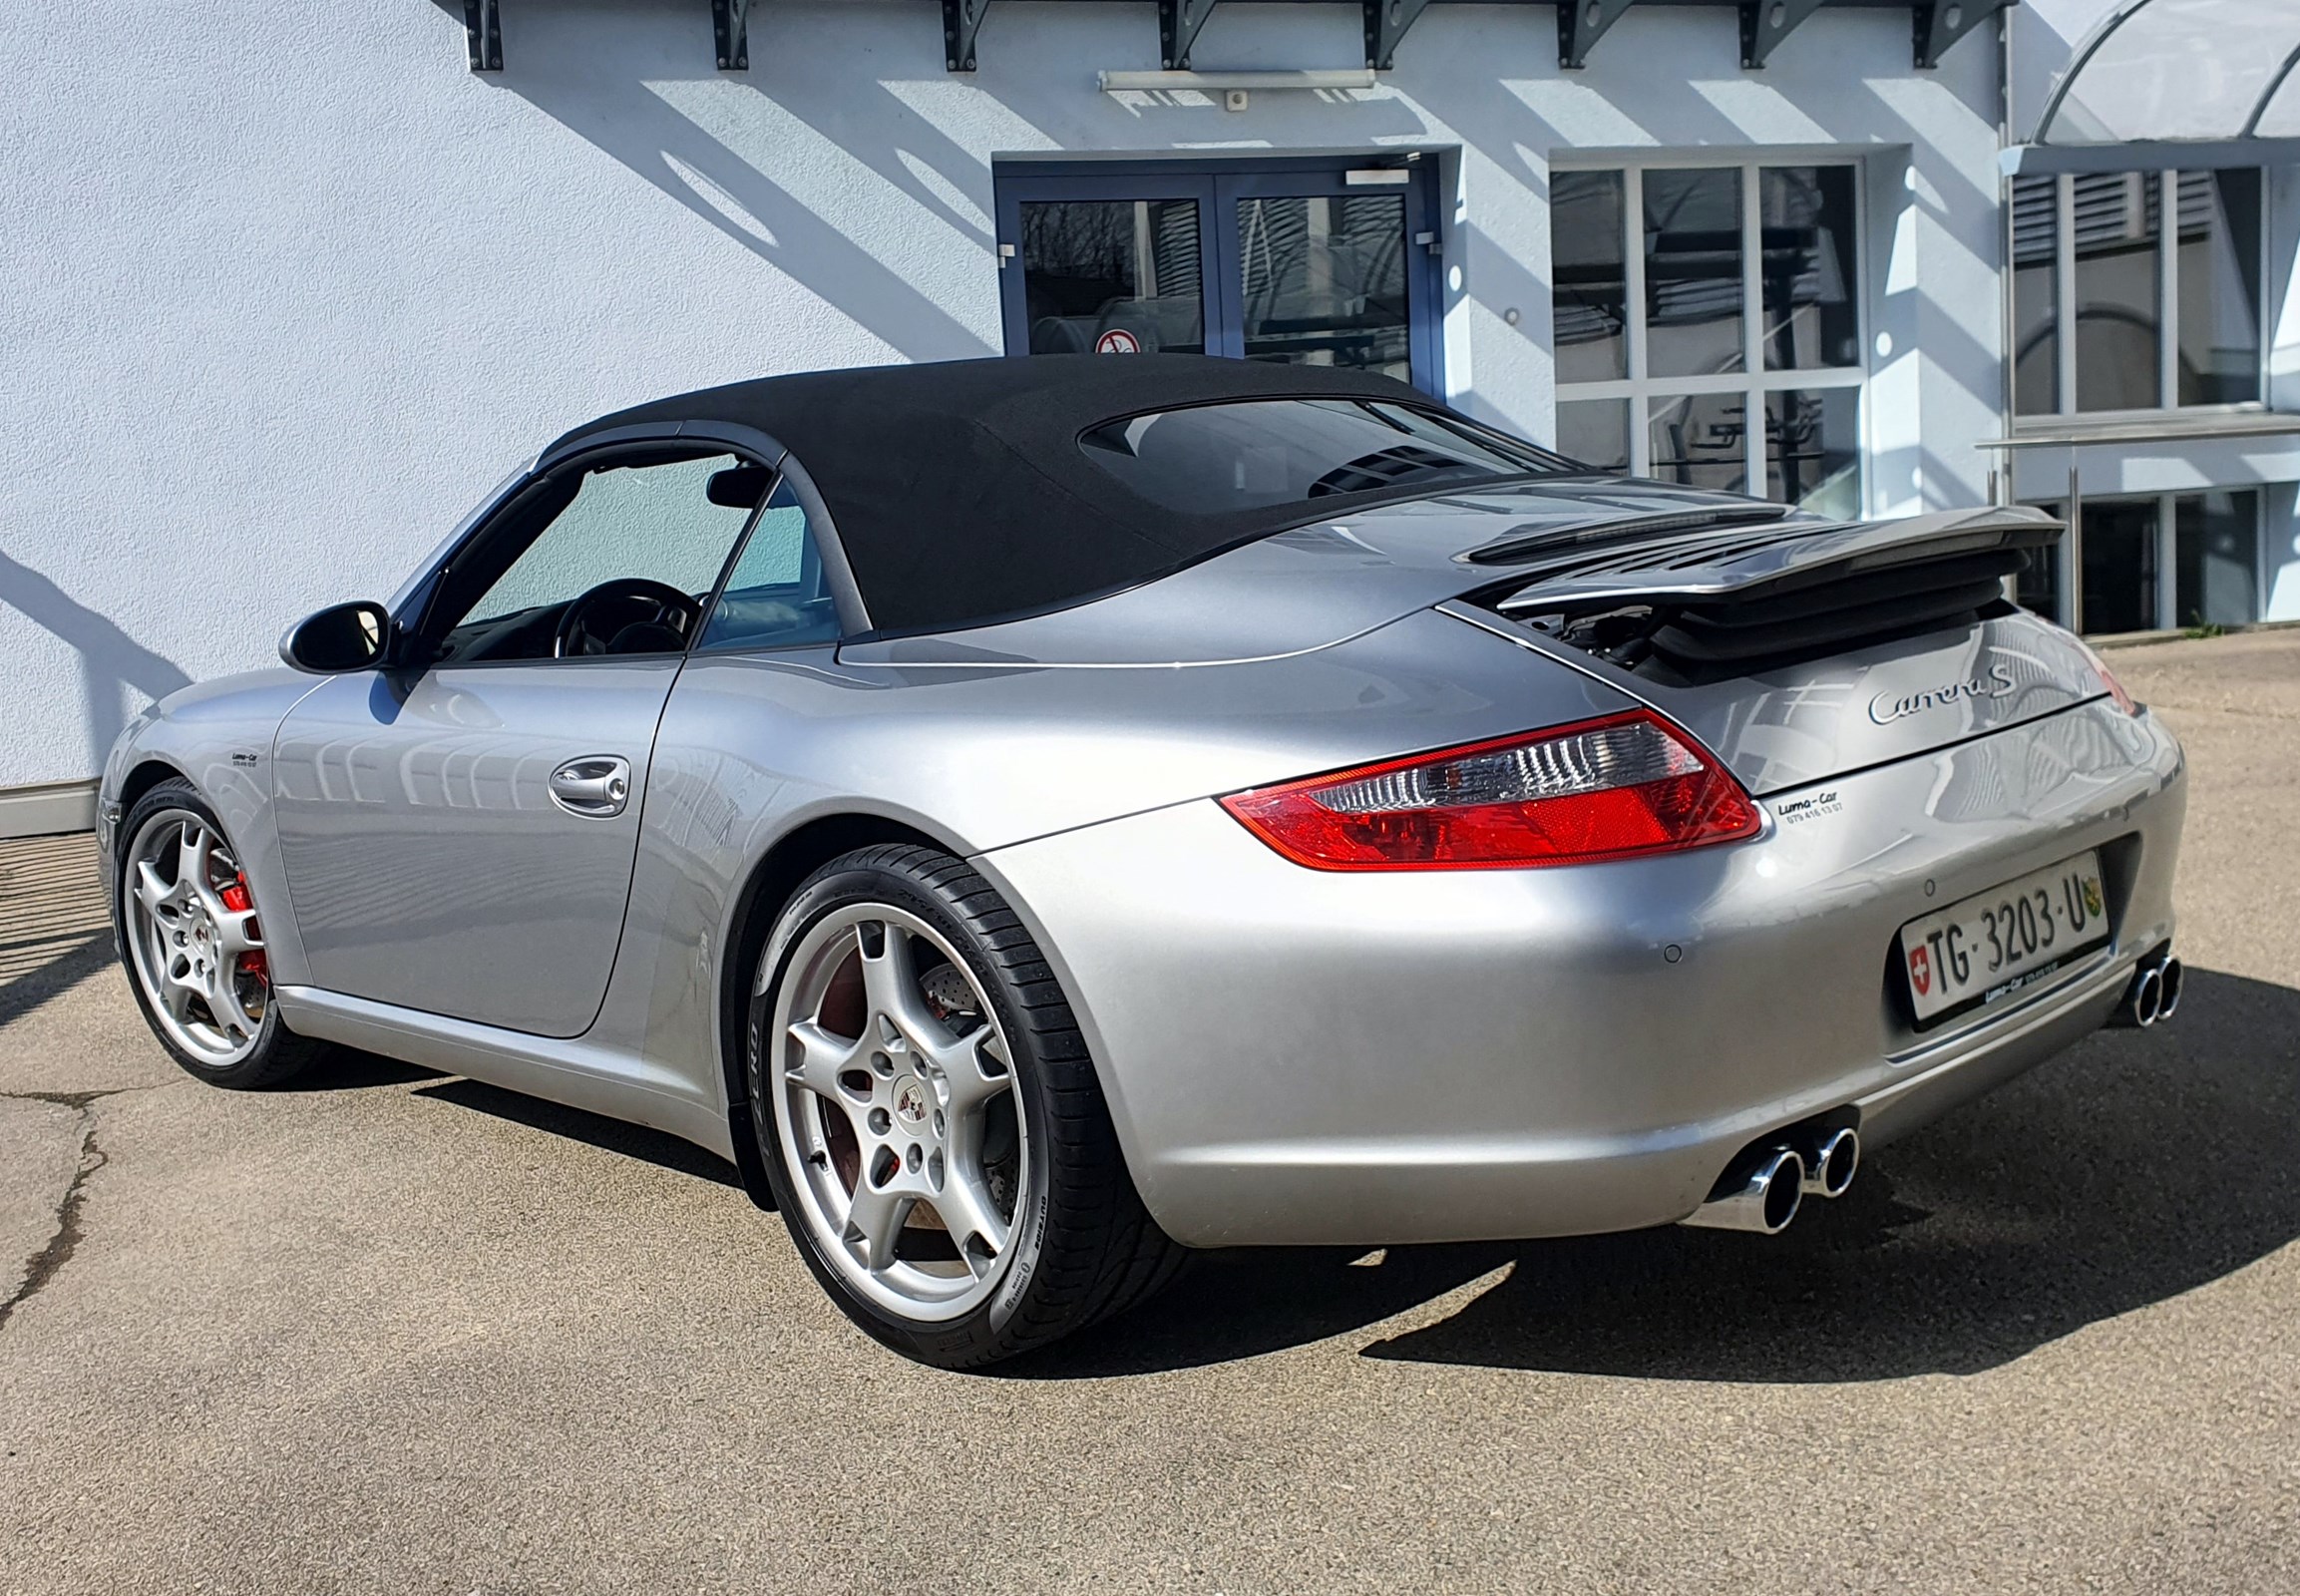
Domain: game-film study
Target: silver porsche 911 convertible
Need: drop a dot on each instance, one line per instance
(1038, 817)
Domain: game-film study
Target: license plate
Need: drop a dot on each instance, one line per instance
(1993, 943)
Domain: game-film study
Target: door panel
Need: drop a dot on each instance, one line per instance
(428, 863)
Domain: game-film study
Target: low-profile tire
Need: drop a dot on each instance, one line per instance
(190, 937)
(930, 1118)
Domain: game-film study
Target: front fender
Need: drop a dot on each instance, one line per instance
(218, 735)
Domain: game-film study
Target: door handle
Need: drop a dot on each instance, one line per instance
(596, 786)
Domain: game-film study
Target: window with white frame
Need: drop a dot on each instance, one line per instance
(2114, 311)
(1706, 323)
(2153, 561)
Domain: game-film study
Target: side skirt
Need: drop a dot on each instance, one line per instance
(576, 1073)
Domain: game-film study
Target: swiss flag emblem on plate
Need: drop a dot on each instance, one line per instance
(1920, 971)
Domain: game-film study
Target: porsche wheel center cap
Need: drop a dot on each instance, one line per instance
(914, 1101)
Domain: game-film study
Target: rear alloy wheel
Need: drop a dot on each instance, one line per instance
(194, 944)
(930, 1118)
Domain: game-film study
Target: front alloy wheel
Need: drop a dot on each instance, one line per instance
(194, 944)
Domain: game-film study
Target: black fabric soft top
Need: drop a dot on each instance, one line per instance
(958, 488)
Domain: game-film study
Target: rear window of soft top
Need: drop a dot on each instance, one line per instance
(1253, 454)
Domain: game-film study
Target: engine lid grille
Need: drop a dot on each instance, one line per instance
(1705, 608)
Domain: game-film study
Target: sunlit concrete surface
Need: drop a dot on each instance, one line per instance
(401, 1333)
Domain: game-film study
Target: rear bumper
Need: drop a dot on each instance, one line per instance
(1295, 1057)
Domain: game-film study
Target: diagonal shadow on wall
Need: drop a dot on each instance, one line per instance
(110, 659)
(575, 75)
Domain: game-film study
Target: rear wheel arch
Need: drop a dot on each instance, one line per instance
(1074, 1244)
(772, 880)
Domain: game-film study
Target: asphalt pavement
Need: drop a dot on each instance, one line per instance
(404, 1333)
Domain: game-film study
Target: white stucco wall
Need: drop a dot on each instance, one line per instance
(287, 291)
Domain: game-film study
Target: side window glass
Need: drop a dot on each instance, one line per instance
(775, 597)
(622, 565)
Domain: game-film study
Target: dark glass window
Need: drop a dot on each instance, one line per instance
(1590, 308)
(2216, 554)
(775, 597)
(2220, 287)
(2036, 295)
(1322, 281)
(2115, 293)
(2121, 566)
(1113, 274)
(1595, 432)
(1692, 272)
(1212, 458)
(1702, 441)
(1812, 449)
(2037, 587)
(1805, 238)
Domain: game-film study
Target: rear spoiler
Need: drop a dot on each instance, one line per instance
(1739, 601)
(1781, 558)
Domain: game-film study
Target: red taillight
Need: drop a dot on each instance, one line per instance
(2108, 678)
(1603, 789)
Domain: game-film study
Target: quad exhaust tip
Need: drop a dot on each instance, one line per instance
(2154, 993)
(1765, 1187)
(1834, 1162)
(1761, 1197)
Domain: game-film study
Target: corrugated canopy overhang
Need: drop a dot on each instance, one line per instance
(2175, 83)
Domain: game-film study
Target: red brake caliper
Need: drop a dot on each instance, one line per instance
(235, 898)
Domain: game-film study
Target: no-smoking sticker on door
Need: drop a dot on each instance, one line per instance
(1117, 341)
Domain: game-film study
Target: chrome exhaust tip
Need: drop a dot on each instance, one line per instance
(2168, 987)
(1760, 1197)
(2143, 1001)
(1831, 1163)
(2148, 996)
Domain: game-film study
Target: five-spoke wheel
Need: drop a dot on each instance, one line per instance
(898, 1111)
(194, 936)
(929, 1117)
(193, 944)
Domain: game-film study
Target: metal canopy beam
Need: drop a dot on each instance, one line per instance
(483, 35)
(1385, 24)
(1936, 24)
(1580, 24)
(961, 20)
(1941, 23)
(1178, 25)
(730, 31)
(1766, 23)
(2260, 106)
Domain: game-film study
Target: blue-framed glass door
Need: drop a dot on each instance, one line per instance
(1319, 263)
(1117, 262)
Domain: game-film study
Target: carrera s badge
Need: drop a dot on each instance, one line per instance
(1885, 708)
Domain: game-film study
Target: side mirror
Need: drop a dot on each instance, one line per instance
(353, 636)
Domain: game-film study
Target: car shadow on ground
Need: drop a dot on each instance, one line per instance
(349, 1069)
(657, 1147)
(2139, 1165)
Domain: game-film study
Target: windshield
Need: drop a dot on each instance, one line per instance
(1264, 451)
